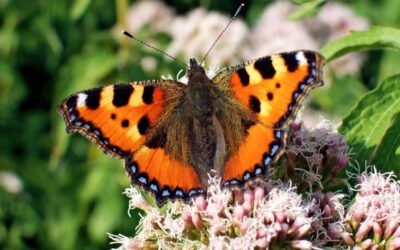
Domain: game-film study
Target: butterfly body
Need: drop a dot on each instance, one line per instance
(174, 135)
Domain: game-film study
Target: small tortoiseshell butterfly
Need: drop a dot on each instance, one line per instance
(172, 135)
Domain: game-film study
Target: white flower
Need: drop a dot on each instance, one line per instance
(194, 34)
(275, 33)
(332, 22)
(11, 182)
(155, 13)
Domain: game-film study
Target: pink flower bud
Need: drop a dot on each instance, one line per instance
(366, 244)
(132, 244)
(377, 232)
(392, 225)
(262, 243)
(341, 162)
(301, 244)
(303, 230)
(238, 212)
(295, 126)
(298, 140)
(248, 207)
(327, 211)
(357, 217)
(243, 228)
(280, 217)
(261, 232)
(347, 239)
(298, 221)
(394, 244)
(277, 227)
(197, 221)
(397, 232)
(259, 194)
(201, 203)
(187, 217)
(284, 230)
(248, 195)
(269, 218)
(328, 196)
(363, 231)
(238, 196)
(333, 232)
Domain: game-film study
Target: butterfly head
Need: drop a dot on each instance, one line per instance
(196, 72)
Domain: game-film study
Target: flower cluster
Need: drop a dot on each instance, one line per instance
(279, 212)
(154, 13)
(264, 215)
(194, 34)
(373, 220)
(315, 157)
(333, 21)
(281, 35)
(273, 213)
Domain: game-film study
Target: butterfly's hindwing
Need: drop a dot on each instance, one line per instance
(159, 173)
(261, 146)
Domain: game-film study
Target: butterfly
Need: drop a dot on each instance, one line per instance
(172, 135)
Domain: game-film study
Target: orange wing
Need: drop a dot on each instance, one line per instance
(118, 118)
(157, 172)
(261, 146)
(273, 89)
(122, 120)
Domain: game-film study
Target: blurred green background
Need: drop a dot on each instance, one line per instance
(58, 191)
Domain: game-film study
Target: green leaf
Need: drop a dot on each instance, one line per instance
(327, 99)
(47, 31)
(374, 38)
(102, 190)
(387, 154)
(367, 123)
(389, 65)
(307, 9)
(79, 8)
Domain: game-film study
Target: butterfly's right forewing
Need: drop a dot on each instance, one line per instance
(272, 90)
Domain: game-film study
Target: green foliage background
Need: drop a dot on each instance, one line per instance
(71, 193)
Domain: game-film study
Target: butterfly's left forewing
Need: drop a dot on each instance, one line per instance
(272, 89)
(128, 121)
(118, 118)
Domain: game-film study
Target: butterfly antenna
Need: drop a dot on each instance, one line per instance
(126, 33)
(223, 31)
